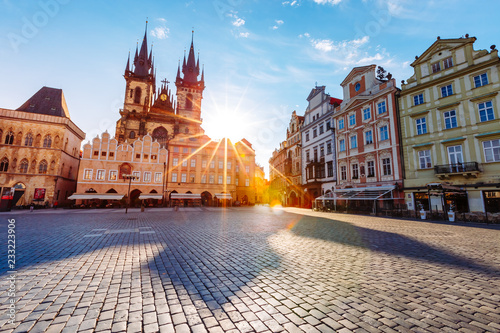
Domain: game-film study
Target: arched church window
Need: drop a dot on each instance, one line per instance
(189, 101)
(9, 138)
(42, 168)
(131, 93)
(28, 141)
(4, 165)
(47, 141)
(23, 166)
(160, 134)
(131, 135)
(137, 97)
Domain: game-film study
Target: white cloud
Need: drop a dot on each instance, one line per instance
(294, 3)
(239, 22)
(279, 22)
(160, 32)
(330, 2)
(275, 27)
(244, 34)
(327, 45)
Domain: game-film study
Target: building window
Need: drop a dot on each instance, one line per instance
(4, 165)
(321, 131)
(137, 155)
(176, 149)
(185, 150)
(229, 165)
(153, 157)
(371, 168)
(192, 178)
(147, 177)
(315, 132)
(341, 123)
(184, 162)
(480, 80)
(329, 167)
(308, 156)
(450, 119)
(307, 136)
(137, 176)
(237, 181)
(29, 140)
(113, 174)
(436, 67)
(47, 141)
(100, 174)
(211, 179)
(183, 177)
(219, 179)
(247, 169)
(174, 178)
(381, 107)
(386, 166)
(315, 154)
(424, 157)
(203, 179)
(131, 135)
(486, 111)
(221, 164)
(355, 171)
(204, 164)
(352, 120)
(42, 168)
(421, 126)
(446, 90)
(193, 163)
(158, 177)
(448, 62)
(9, 138)
(343, 172)
(87, 174)
(189, 101)
(384, 133)
(368, 137)
(328, 125)
(322, 150)
(366, 114)
(328, 148)
(228, 180)
(237, 168)
(341, 146)
(212, 164)
(492, 150)
(247, 182)
(354, 142)
(175, 161)
(418, 99)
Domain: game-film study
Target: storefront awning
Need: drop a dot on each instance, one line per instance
(150, 196)
(223, 196)
(184, 196)
(102, 196)
(360, 193)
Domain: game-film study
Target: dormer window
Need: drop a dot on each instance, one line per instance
(448, 62)
(436, 67)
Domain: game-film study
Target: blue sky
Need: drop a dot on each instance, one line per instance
(261, 58)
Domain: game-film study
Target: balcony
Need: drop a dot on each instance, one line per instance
(467, 170)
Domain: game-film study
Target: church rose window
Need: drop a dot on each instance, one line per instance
(160, 135)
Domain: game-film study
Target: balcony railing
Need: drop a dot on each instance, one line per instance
(467, 169)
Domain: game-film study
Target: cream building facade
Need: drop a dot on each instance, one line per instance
(39, 151)
(450, 118)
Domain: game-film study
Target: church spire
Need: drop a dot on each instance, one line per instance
(141, 63)
(127, 69)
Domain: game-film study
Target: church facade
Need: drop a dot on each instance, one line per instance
(197, 169)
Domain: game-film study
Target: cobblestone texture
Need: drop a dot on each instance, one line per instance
(248, 270)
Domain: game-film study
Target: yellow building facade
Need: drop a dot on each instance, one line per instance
(450, 124)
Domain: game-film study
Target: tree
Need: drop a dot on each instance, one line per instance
(381, 73)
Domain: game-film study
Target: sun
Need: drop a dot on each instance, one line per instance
(229, 124)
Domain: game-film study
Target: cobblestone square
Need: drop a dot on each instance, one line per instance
(248, 269)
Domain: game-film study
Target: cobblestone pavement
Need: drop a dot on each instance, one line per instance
(248, 270)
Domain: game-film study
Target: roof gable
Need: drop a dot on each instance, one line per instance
(442, 44)
(48, 101)
(356, 71)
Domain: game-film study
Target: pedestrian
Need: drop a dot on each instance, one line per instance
(56, 204)
(32, 206)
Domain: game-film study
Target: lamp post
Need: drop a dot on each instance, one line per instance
(166, 165)
(129, 177)
(164, 179)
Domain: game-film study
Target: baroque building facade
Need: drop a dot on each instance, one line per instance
(293, 162)
(368, 142)
(318, 145)
(39, 151)
(450, 117)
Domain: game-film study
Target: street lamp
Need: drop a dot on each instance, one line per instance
(164, 179)
(129, 177)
